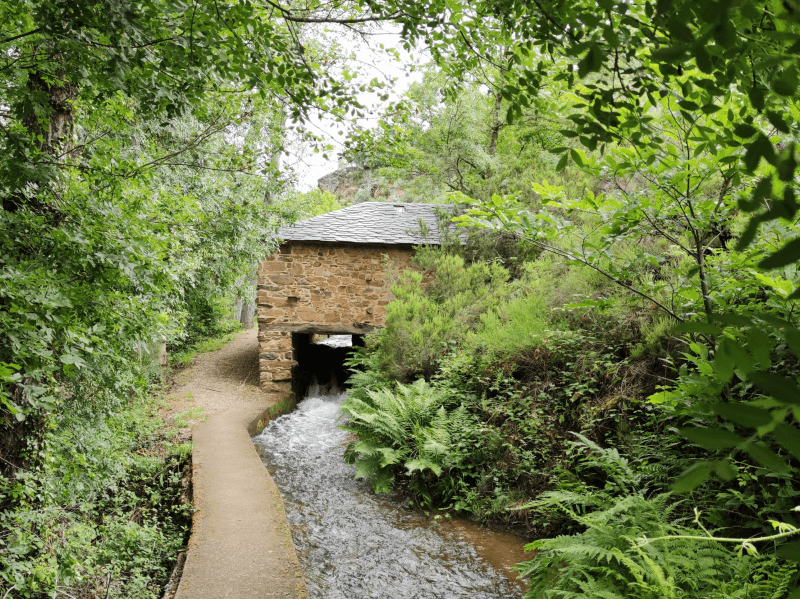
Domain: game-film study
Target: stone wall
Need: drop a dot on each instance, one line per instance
(309, 287)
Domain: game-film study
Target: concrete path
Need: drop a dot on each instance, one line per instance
(240, 545)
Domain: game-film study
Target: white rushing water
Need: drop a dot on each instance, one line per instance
(337, 341)
(353, 544)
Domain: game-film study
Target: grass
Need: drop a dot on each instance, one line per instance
(191, 415)
(184, 357)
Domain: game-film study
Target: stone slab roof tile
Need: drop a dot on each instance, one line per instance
(371, 223)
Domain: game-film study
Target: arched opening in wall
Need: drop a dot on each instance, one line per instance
(320, 362)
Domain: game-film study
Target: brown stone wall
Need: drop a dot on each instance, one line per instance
(312, 287)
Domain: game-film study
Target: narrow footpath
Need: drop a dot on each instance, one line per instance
(240, 545)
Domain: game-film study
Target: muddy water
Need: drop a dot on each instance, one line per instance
(354, 544)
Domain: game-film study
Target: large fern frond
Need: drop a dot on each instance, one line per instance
(407, 426)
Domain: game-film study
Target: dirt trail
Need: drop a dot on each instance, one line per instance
(218, 381)
(240, 545)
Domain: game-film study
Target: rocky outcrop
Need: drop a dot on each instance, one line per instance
(355, 184)
(341, 180)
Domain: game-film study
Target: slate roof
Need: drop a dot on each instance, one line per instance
(370, 223)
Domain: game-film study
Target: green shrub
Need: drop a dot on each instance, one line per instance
(526, 371)
(608, 560)
(433, 311)
(514, 327)
(99, 505)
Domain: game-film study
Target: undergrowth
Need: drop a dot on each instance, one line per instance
(510, 372)
(616, 553)
(100, 511)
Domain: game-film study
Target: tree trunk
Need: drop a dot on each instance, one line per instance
(58, 130)
(497, 125)
(237, 308)
(249, 304)
(49, 122)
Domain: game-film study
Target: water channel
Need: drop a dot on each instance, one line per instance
(355, 544)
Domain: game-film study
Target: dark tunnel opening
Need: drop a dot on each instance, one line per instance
(321, 363)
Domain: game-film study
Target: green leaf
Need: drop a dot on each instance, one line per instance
(731, 351)
(711, 439)
(383, 481)
(789, 551)
(743, 414)
(788, 438)
(781, 388)
(703, 59)
(756, 96)
(724, 367)
(760, 148)
(72, 359)
(697, 327)
(744, 130)
(760, 345)
(761, 192)
(510, 114)
(591, 62)
(692, 477)
(749, 234)
(784, 83)
(669, 54)
(792, 336)
(663, 396)
(724, 470)
(776, 120)
(562, 162)
(787, 255)
(7, 370)
(420, 464)
(786, 167)
(367, 466)
(760, 453)
(733, 320)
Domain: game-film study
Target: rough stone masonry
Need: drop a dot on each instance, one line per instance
(331, 275)
(309, 287)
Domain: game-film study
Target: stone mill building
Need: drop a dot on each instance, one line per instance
(330, 275)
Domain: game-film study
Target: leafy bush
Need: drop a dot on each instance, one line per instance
(513, 328)
(609, 559)
(100, 505)
(434, 311)
(525, 373)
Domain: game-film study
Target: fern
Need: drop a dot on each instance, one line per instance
(402, 428)
(607, 559)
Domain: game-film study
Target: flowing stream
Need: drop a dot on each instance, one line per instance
(355, 544)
